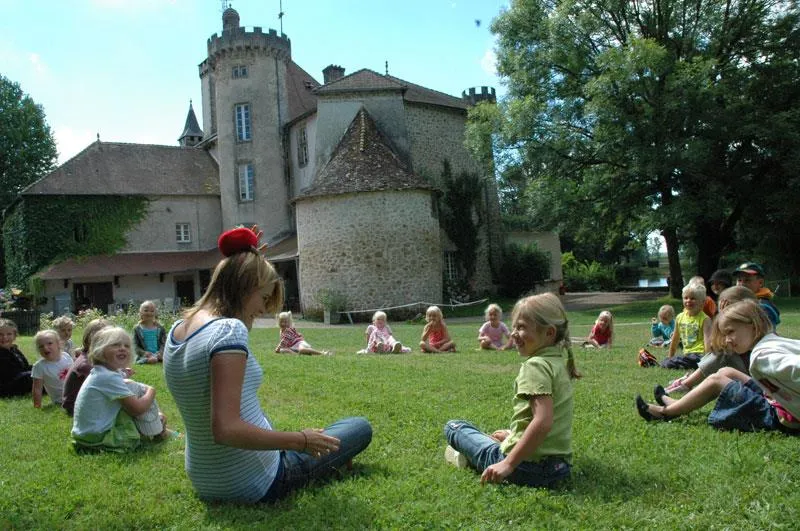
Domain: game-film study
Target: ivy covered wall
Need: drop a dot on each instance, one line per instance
(39, 231)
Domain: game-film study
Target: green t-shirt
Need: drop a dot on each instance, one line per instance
(691, 330)
(545, 373)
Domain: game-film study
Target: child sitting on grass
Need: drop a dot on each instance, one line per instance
(692, 328)
(662, 327)
(149, 336)
(112, 413)
(81, 367)
(64, 325)
(379, 336)
(292, 341)
(15, 370)
(602, 333)
(435, 337)
(49, 372)
(491, 334)
(537, 450)
(768, 399)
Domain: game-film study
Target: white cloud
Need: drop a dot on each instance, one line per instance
(489, 62)
(38, 65)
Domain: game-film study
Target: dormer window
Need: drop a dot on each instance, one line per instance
(239, 71)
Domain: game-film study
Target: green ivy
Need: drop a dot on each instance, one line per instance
(460, 214)
(39, 231)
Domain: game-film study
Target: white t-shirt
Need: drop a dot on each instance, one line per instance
(52, 374)
(775, 365)
(98, 402)
(218, 472)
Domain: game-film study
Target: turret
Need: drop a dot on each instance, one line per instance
(473, 97)
(192, 134)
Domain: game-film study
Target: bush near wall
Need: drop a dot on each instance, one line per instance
(523, 266)
(587, 276)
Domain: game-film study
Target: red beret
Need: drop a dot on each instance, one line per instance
(237, 240)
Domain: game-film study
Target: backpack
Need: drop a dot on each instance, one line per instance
(646, 359)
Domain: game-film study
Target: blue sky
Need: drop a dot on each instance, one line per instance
(126, 69)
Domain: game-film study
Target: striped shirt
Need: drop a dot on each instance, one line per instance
(218, 472)
(289, 337)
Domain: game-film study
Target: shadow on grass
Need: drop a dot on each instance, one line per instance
(596, 479)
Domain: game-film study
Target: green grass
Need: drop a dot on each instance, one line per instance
(627, 473)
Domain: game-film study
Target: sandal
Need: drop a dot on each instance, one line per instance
(659, 393)
(644, 410)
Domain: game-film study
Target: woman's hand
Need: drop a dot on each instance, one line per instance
(317, 444)
(497, 473)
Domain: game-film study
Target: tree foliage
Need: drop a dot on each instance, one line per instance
(633, 116)
(27, 147)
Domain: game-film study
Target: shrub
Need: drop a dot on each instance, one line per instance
(523, 266)
(587, 276)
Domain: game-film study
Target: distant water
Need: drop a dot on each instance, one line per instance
(653, 283)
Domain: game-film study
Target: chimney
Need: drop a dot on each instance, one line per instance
(331, 73)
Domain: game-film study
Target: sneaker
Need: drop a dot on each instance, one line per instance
(677, 386)
(397, 348)
(455, 458)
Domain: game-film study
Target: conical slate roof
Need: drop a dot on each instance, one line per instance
(192, 128)
(363, 162)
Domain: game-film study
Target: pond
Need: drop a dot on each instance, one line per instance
(652, 283)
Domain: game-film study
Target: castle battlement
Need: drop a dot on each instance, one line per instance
(473, 97)
(239, 38)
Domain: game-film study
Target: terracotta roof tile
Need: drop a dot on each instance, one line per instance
(363, 162)
(112, 168)
(419, 94)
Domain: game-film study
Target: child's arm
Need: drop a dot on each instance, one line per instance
(426, 332)
(707, 335)
(36, 391)
(135, 406)
(138, 343)
(535, 433)
(162, 340)
(676, 338)
(445, 333)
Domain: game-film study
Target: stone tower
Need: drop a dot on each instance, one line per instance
(245, 107)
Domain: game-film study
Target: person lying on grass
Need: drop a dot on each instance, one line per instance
(232, 451)
(768, 399)
(537, 450)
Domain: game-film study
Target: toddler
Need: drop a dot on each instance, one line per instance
(379, 336)
(602, 332)
(491, 334)
(435, 337)
(112, 413)
(291, 341)
(692, 328)
(15, 371)
(709, 306)
(662, 327)
(49, 372)
(64, 325)
(81, 367)
(537, 449)
(149, 335)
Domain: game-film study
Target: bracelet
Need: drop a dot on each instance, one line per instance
(305, 440)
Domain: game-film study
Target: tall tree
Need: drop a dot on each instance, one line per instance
(632, 116)
(27, 147)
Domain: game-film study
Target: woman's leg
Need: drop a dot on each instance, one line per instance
(298, 468)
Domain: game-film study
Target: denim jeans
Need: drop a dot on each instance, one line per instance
(297, 469)
(482, 451)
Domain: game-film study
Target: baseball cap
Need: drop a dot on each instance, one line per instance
(749, 268)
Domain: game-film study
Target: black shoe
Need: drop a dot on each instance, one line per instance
(644, 410)
(659, 393)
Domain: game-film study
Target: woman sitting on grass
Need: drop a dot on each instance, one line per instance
(232, 452)
(537, 450)
(768, 399)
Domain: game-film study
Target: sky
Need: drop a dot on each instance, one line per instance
(127, 69)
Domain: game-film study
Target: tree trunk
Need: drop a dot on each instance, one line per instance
(675, 275)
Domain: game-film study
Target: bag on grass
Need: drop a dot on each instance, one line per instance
(646, 359)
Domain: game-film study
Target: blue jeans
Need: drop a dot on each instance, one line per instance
(482, 451)
(297, 469)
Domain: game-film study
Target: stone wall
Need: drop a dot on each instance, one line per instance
(156, 232)
(380, 249)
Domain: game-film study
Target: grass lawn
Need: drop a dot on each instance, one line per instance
(627, 473)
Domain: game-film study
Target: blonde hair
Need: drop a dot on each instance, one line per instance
(545, 310)
(607, 314)
(94, 326)
(41, 334)
(286, 316)
(433, 310)
(8, 323)
(234, 279)
(734, 294)
(378, 315)
(107, 337)
(697, 280)
(747, 312)
(59, 323)
(667, 311)
(155, 310)
(697, 291)
(491, 307)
